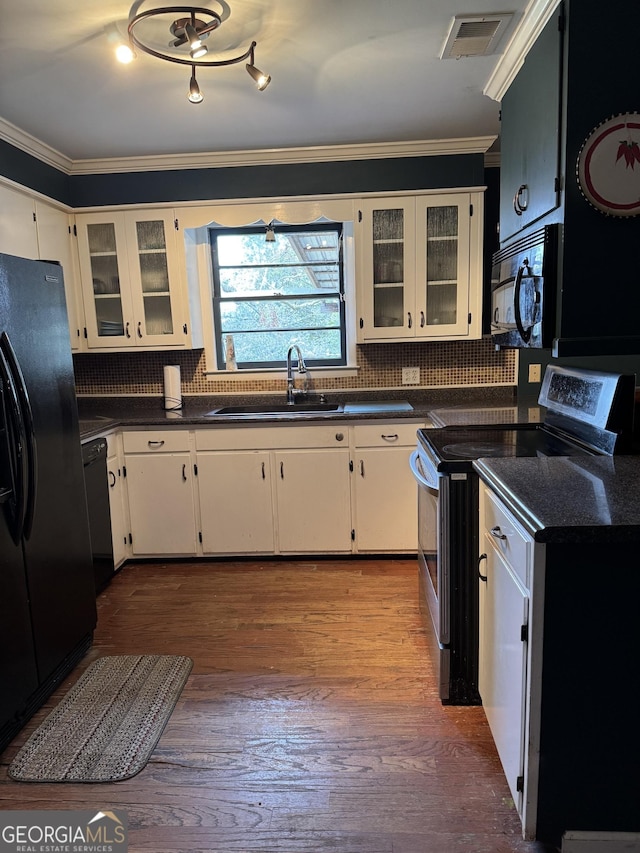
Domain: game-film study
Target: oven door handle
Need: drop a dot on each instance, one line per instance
(418, 473)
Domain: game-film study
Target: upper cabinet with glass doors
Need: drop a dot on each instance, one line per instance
(133, 291)
(420, 270)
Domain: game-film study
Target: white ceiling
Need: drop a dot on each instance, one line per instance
(344, 72)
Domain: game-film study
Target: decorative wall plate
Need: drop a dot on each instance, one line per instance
(608, 167)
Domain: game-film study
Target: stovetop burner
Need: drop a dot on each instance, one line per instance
(476, 450)
(455, 448)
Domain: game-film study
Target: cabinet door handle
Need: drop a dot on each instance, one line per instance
(521, 199)
(184, 473)
(111, 474)
(362, 467)
(497, 533)
(126, 330)
(264, 476)
(482, 577)
(282, 470)
(139, 330)
(496, 315)
(155, 443)
(389, 437)
(422, 320)
(409, 320)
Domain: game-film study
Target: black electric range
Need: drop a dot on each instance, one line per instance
(586, 412)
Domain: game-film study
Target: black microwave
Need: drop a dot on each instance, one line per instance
(524, 282)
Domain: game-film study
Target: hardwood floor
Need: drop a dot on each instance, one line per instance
(310, 721)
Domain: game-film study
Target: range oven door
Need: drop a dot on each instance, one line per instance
(433, 581)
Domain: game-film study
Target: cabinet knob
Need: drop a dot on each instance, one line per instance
(339, 436)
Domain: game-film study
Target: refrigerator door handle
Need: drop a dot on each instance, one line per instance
(26, 431)
(15, 496)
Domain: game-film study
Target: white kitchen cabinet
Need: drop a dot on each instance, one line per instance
(510, 647)
(160, 492)
(31, 228)
(117, 500)
(313, 501)
(274, 489)
(420, 267)
(55, 243)
(385, 500)
(502, 676)
(135, 293)
(236, 507)
(18, 234)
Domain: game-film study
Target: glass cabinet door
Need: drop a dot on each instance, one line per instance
(102, 246)
(443, 267)
(154, 277)
(388, 266)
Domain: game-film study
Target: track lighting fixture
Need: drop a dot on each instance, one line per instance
(195, 95)
(188, 32)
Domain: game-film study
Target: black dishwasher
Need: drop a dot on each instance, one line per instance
(94, 458)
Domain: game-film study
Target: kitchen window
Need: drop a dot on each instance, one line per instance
(270, 294)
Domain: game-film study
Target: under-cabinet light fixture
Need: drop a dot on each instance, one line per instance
(188, 32)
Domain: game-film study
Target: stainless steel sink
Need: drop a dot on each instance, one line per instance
(273, 409)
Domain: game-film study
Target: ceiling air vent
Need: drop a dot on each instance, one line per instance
(474, 35)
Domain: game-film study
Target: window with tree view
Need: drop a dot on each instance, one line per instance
(269, 295)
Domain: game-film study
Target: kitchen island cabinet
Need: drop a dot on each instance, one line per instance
(571, 529)
(160, 493)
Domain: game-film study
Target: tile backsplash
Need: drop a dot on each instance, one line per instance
(442, 364)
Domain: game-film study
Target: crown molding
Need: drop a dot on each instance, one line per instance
(258, 157)
(535, 17)
(12, 134)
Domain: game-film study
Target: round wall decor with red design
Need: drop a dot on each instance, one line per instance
(608, 167)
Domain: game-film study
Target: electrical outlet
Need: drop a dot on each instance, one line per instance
(535, 372)
(410, 375)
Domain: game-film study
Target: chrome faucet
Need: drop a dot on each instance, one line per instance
(302, 368)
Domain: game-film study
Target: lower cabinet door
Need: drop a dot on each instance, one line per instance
(502, 664)
(119, 522)
(236, 510)
(161, 504)
(313, 501)
(386, 500)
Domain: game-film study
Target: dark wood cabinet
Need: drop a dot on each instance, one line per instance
(530, 135)
(580, 72)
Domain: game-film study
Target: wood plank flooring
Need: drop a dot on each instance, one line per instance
(310, 722)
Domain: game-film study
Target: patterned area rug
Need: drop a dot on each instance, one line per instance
(108, 724)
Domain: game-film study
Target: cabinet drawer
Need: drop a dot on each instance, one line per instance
(156, 441)
(386, 435)
(506, 535)
(272, 438)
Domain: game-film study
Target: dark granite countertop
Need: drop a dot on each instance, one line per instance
(101, 414)
(577, 499)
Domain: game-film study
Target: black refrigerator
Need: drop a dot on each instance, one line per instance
(47, 594)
